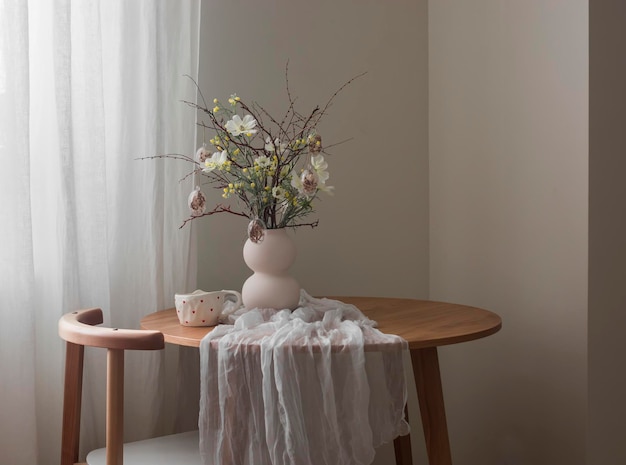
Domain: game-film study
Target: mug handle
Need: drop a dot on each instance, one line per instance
(237, 295)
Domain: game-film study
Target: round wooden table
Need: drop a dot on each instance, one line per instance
(424, 324)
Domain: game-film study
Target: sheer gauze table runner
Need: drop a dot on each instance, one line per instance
(319, 385)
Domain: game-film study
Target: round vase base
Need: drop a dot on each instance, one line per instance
(270, 291)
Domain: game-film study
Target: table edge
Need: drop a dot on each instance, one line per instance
(413, 345)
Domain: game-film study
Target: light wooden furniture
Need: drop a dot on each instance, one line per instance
(78, 330)
(424, 324)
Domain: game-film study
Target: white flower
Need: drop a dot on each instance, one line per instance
(217, 160)
(271, 146)
(330, 190)
(278, 193)
(284, 172)
(320, 166)
(263, 161)
(237, 126)
(296, 182)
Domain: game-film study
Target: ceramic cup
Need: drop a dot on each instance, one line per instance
(201, 308)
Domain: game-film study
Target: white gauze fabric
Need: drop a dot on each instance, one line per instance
(316, 386)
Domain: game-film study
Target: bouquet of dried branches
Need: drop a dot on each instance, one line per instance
(274, 168)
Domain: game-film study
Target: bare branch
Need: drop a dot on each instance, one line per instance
(173, 156)
(336, 144)
(313, 224)
(323, 112)
(217, 209)
(197, 88)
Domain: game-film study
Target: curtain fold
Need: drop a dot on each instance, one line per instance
(17, 351)
(86, 88)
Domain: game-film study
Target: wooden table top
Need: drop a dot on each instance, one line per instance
(422, 323)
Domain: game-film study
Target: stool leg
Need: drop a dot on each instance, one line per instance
(115, 407)
(72, 396)
(430, 395)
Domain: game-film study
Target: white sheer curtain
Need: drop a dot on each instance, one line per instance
(86, 87)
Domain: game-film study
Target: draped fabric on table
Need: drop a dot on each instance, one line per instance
(316, 386)
(86, 87)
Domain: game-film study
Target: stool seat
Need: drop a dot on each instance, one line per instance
(166, 450)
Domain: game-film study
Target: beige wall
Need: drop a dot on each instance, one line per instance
(607, 230)
(373, 234)
(508, 222)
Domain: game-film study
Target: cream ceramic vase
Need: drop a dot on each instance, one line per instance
(270, 286)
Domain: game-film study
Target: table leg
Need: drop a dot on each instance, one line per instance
(402, 446)
(430, 395)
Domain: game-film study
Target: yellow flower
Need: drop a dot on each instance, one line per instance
(236, 152)
(253, 185)
(215, 100)
(216, 109)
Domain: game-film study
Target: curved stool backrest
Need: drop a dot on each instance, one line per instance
(78, 330)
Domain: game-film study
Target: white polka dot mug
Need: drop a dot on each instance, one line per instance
(201, 308)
